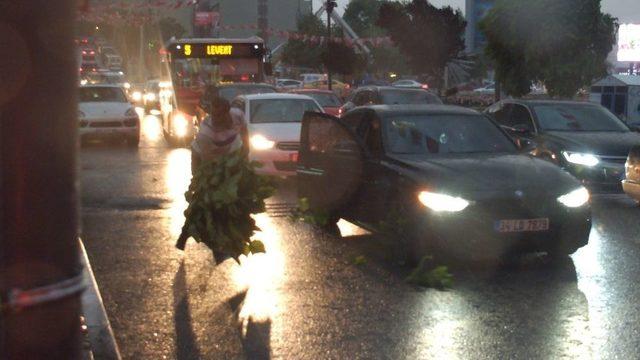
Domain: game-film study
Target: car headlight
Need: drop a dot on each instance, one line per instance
(127, 85)
(589, 160)
(136, 96)
(131, 113)
(180, 125)
(442, 202)
(260, 142)
(576, 198)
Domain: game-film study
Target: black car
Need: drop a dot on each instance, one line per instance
(450, 179)
(388, 95)
(584, 138)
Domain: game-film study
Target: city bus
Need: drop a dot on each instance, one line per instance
(196, 64)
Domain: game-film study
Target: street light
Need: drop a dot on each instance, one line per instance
(329, 6)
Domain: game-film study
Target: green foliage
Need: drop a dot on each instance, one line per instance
(428, 36)
(222, 196)
(563, 44)
(304, 53)
(342, 59)
(359, 260)
(437, 277)
(362, 15)
(305, 213)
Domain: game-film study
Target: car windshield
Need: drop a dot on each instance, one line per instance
(102, 94)
(280, 110)
(406, 97)
(445, 134)
(231, 92)
(325, 100)
(577, 117)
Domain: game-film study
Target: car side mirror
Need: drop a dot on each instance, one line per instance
(525, 145)
(634, 126)
(518, 130)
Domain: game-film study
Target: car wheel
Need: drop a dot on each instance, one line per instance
(331, 226)
(133, 141)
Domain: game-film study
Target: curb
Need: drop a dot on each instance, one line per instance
(102, 342)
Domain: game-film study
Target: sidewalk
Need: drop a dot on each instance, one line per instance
(102, 344)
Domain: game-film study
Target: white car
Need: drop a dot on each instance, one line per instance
(309, 78)
(490, 89)
(104, 112)
(411, 84)
(274, 124)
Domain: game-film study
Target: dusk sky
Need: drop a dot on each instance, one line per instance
(628, 11)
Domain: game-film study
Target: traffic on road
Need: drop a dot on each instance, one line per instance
(353, 179)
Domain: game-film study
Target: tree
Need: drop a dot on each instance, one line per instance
(429, 37)
(362, 15)
(563, 44)
(169, 27)
(304, 53)
(342, 59)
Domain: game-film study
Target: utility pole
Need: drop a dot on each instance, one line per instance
(141, 55)
(40, 275)
(329, 6)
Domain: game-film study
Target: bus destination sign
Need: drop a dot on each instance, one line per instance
(200, 50)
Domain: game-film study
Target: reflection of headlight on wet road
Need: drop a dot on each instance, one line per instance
(180, 125)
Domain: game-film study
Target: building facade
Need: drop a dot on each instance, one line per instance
(244, 18)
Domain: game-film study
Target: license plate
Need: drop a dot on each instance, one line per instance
(523, 225)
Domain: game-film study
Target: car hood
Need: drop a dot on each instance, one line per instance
(490, 174)
(289, 132)
(104, 109)
(597, 142)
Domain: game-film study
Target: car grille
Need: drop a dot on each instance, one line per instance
(106, 124)
(288, 146)
(285, 165)
(614, 159)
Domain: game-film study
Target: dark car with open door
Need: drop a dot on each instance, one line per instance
(451, 176)
(583, 138)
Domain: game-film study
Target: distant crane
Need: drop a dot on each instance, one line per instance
(347, 29)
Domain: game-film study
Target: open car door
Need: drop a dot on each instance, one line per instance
(330, 162)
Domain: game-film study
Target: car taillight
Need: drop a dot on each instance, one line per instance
(425, 86)
(340, 112)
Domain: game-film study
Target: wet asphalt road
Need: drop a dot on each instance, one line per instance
(308, 299)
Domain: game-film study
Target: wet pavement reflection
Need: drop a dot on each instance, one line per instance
(307, 298)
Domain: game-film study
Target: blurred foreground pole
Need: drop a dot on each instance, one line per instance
(39, 270)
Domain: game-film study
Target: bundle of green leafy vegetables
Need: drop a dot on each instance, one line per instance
(222, 196)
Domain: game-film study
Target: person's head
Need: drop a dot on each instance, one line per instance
(220, 113)
(219, 106)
